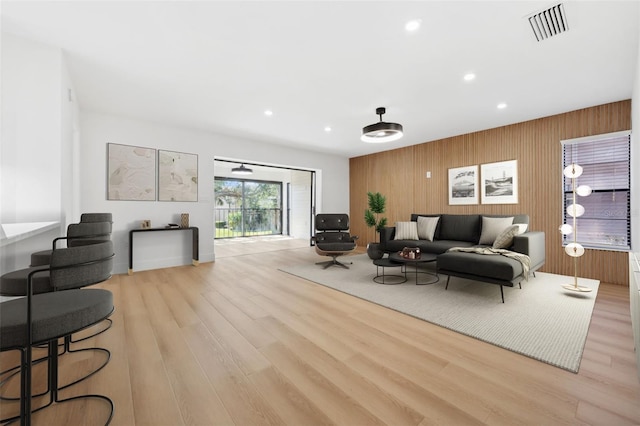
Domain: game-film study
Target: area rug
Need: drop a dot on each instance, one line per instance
(542, 320)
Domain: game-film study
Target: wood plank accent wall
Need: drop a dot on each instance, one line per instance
(400, 174)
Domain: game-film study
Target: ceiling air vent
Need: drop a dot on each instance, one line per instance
(549, 22)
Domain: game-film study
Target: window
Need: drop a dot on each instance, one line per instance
(605, 160)
(247, 207)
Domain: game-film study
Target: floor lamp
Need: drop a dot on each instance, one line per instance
(575, 210)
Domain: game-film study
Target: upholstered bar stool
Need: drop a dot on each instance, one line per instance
(96, 217)
(14, 283)
(78, 234)
(42, 319)
(95, 265)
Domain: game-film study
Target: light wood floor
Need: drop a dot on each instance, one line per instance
(239, 342)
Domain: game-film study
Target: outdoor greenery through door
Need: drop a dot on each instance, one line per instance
(247, 208)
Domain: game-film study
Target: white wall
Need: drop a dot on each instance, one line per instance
(165, 249)
(635, 158)
(36, 143)
(301, 204)
(31, 128)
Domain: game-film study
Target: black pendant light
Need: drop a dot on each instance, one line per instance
(242, 170)
(381, 131)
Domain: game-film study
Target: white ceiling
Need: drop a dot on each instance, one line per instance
(218, 65)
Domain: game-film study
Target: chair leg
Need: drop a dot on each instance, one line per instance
(108, 322)
(53, 387)
(66, 349)
(10, 373)
(25, 388)
(502, 294)
(447, 285)
(53, 372)
(333, 262)
(67, 346)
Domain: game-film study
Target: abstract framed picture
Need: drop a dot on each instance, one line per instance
(177, 176)
(463, 185)
(131, 173)
(500, 182)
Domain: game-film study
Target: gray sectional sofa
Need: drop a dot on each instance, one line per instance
(438, 233)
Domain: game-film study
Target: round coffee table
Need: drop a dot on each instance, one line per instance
(432, 277)
(385, 262)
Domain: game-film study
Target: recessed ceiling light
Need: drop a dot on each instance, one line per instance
(268, 113)
(413, 25)
(470, 76)
(502, 105)
(327, 129)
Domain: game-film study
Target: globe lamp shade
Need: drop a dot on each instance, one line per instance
(573, 171)
(574, 249)
(575, 210)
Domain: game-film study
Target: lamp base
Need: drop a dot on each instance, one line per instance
(576, 288)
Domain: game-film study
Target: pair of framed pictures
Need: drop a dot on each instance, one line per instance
(132, 173)
(499, 184)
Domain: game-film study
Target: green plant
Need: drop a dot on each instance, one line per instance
(234, 220)
(377, 205)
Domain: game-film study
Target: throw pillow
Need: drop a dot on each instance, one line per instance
(427, 227)
(522, 228)
(505, 238)
(406, 231)
(492, 226)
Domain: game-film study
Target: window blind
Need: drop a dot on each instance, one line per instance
(606, 223)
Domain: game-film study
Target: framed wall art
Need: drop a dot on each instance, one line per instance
(131, 173)
(177, 176)
(500, 182)
(463, 185)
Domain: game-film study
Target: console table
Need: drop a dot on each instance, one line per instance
(195, 243)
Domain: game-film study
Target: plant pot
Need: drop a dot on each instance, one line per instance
(374, 251)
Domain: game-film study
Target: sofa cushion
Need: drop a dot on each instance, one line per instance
(459, 227)
(522, 227)
(427, 227)
(406, 231)
(490, 266)
(434, 247)
(492, 227)
(441, 246)
(505, 239)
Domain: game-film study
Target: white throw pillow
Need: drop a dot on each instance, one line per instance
(492, 227)
(522, 228)
(406, 231)
(427, 227)
(505, 238)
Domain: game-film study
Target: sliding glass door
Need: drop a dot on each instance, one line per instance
(247, 207)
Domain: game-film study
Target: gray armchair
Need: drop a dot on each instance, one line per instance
(332, 238)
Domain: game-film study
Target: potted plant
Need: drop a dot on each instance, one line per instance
(377, 204)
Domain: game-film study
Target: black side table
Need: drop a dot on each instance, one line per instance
(424, 259)
(385, 262)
